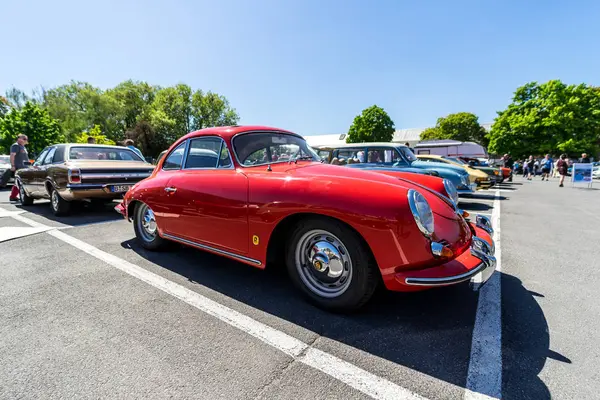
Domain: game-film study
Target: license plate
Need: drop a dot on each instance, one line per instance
(120, 188)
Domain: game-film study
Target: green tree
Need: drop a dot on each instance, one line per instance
(96, 133)
(33, 121)
(4, 106)
(463, 126)
(372, 125)
(133, 100)
(551, 117)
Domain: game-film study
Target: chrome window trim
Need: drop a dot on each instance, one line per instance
(268, 132)
(205, 247)
(218, 154)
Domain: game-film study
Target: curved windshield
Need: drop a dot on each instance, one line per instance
(456, 160)
(409, 155)
(102, 153)
(270, 147)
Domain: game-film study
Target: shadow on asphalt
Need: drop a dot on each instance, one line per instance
(525, 342)
(81, 214)
(477, 196)
(470, 206)
(426, 331)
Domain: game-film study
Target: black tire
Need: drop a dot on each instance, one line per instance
(363, 275)
(25, 199)
(150, 242)
(58, 205)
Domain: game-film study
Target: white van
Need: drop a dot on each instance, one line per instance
(451, 148)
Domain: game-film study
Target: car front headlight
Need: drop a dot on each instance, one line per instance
(451, 190)
(421, 211)
(465, 180)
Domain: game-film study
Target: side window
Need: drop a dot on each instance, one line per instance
(383, 156)
(38, 161)
(59, 156)
(203, 153)
(349, 156)
(49, 156)
(175, 159)
(399, 161)
(225, 158)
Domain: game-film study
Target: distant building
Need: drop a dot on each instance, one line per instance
(410, 135)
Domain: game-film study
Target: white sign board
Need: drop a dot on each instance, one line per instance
(582, 174)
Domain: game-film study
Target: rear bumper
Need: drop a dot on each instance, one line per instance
(76, 191)
(475, 265)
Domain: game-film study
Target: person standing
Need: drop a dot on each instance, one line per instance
(18, 157)
(129, 144)
(584, 159)
(530, 165)
(562, 165)
(508, 163)
(546, 167)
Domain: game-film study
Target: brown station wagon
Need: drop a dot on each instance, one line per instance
(68, 173)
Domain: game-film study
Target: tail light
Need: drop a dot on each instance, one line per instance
(74, 176)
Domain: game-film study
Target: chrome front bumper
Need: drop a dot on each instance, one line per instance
(479, 249)
(483, 222)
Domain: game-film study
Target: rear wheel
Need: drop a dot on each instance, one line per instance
(59, 205)
(331, 265)
(146, 230)
(25, 199)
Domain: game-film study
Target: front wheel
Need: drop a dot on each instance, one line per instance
(146, 230)
(331, 265)
(25, 199)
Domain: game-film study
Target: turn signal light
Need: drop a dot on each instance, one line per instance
(465, 214)
(439, 250)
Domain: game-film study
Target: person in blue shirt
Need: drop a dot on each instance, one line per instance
(546, 167)
(129, 144)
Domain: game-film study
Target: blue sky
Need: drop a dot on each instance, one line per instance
(309, 66)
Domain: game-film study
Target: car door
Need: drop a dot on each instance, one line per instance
(41, 172)
(28, 176)
(209, 198)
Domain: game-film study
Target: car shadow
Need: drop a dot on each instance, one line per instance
(471, 206)
(481, 196)
(525, 342)
(427, 331)
(81, 214)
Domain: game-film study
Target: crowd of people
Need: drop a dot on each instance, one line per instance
(546, 167)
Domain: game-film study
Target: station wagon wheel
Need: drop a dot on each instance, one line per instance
(25, 199)
(59, 205)
(146, 229)
(331, 264)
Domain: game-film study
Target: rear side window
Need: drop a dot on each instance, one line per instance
(50, 156)
(175, 159)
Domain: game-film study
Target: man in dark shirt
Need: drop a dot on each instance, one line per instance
(18, 157)
(508, 163)
(584, 159)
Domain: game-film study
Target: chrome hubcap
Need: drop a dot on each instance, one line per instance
(323, 263)
(55, 200)
(147, 222)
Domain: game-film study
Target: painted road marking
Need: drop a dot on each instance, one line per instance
(4, 213)
(14, 232)
(353, 376)
(484, 379)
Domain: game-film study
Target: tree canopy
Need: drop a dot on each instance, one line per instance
(551, 117)
(372, 125)
(153, 116)
(463, 126)
(33, 121)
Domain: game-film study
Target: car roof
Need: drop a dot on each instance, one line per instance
(429, 155)
(363, 144)
(227, 132)
(106, 146)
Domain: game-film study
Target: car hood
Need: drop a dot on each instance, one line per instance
(436, 165)
(316, 171)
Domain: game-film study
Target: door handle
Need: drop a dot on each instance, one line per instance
(170, 189)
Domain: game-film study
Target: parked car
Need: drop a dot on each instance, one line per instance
(393, 156)
(482, 179)
(494, 173)
(68, 173)
(266, 197)
(450, 148)
(5, 171)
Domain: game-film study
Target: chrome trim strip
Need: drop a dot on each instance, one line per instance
(446, 280)
(115, 175)
(205, 247)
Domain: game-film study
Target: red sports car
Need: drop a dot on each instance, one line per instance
(261, 195)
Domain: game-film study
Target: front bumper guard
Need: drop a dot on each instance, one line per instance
(479, 249)
(483, 222)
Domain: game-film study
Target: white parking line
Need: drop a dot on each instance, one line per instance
(351, 375)
(484, 379)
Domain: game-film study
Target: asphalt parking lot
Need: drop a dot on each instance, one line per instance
(86, 313)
